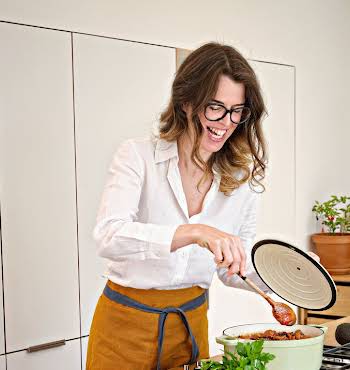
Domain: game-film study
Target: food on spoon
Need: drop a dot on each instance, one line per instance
(275, 335)
(284, 314)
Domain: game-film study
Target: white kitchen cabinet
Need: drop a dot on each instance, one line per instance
(37, 187)
(84, 346)
(277, 210)
(65, 357)
(2, 332)
(276, 216)
(2, 362)
(120, 88)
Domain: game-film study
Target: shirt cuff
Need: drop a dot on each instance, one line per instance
(162, 237)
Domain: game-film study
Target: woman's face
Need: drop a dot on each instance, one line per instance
(215, 133)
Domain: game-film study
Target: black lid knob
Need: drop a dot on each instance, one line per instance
(342, 333)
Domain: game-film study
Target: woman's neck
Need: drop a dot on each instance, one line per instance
(185, 146)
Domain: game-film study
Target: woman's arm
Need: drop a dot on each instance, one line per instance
(117, 232)
(184, 235)
(227, 249)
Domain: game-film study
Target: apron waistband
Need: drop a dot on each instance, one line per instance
(163, 313)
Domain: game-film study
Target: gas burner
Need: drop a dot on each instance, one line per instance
(336, 358)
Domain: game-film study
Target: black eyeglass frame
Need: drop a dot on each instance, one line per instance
(228, 111)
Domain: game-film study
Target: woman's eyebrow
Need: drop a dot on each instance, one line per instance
(217, 101)
(222, 103)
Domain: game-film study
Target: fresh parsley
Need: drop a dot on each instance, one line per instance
(248, 356)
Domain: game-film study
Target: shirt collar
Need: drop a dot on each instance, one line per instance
(165, 150)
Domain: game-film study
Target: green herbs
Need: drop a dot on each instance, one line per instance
(334, 214)
(248, 356)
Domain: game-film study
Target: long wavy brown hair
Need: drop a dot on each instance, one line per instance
(243, 156)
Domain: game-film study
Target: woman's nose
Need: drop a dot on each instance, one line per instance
(226, 120)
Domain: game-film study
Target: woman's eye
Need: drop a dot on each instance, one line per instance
(215, 107)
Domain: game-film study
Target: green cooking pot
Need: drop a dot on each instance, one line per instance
(302, 354)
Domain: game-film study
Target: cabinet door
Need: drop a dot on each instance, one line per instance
(66, 357)
(120, 89)
(2, 333)
(2, 362)
(84, 346)
(277, 209)
(230, 306)
(37, 187)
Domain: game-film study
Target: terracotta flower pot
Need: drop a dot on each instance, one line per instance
(334, 251)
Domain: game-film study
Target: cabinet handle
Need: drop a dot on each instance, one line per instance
(41, 347)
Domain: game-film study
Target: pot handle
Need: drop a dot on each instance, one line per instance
(224, 339)
(322, 327)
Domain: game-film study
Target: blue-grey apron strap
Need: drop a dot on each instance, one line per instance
(195, 349)
(161, 323)
(126, 301)
(163, 316)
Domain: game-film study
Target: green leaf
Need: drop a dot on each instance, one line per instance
(257, 346)
(242, 348)
(266, 357)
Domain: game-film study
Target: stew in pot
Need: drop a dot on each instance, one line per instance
(276, 335)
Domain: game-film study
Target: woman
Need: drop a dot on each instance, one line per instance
(175, 209)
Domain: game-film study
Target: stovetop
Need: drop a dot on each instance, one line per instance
(336, 358)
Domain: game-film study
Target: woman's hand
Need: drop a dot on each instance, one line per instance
(227, 248)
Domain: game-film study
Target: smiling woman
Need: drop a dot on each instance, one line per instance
(176, 208)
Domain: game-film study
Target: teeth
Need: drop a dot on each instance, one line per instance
(217, 132)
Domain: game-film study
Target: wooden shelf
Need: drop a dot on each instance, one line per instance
(340, 309)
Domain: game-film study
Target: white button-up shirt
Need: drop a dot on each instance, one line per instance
(142, 205)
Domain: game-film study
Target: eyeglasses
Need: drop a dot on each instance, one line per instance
(238, 114)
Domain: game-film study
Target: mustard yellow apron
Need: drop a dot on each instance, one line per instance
(137, 329)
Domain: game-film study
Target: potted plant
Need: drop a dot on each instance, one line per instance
(333, 243)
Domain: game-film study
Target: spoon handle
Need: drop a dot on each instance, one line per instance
(258, 290)
(205, 244)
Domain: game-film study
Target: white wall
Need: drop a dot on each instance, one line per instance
(312, 35)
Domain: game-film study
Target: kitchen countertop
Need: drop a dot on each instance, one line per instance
(329, 337)
(332, 325)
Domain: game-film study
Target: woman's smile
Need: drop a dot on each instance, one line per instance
(216, 134)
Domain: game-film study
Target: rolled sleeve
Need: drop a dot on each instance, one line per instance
(117, 233)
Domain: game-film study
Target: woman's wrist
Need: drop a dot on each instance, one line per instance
(184, 235)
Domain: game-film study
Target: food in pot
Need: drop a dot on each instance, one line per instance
(276, 335)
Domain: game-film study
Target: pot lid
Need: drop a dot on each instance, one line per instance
(293, 275)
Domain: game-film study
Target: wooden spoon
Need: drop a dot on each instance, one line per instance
(281, 311)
